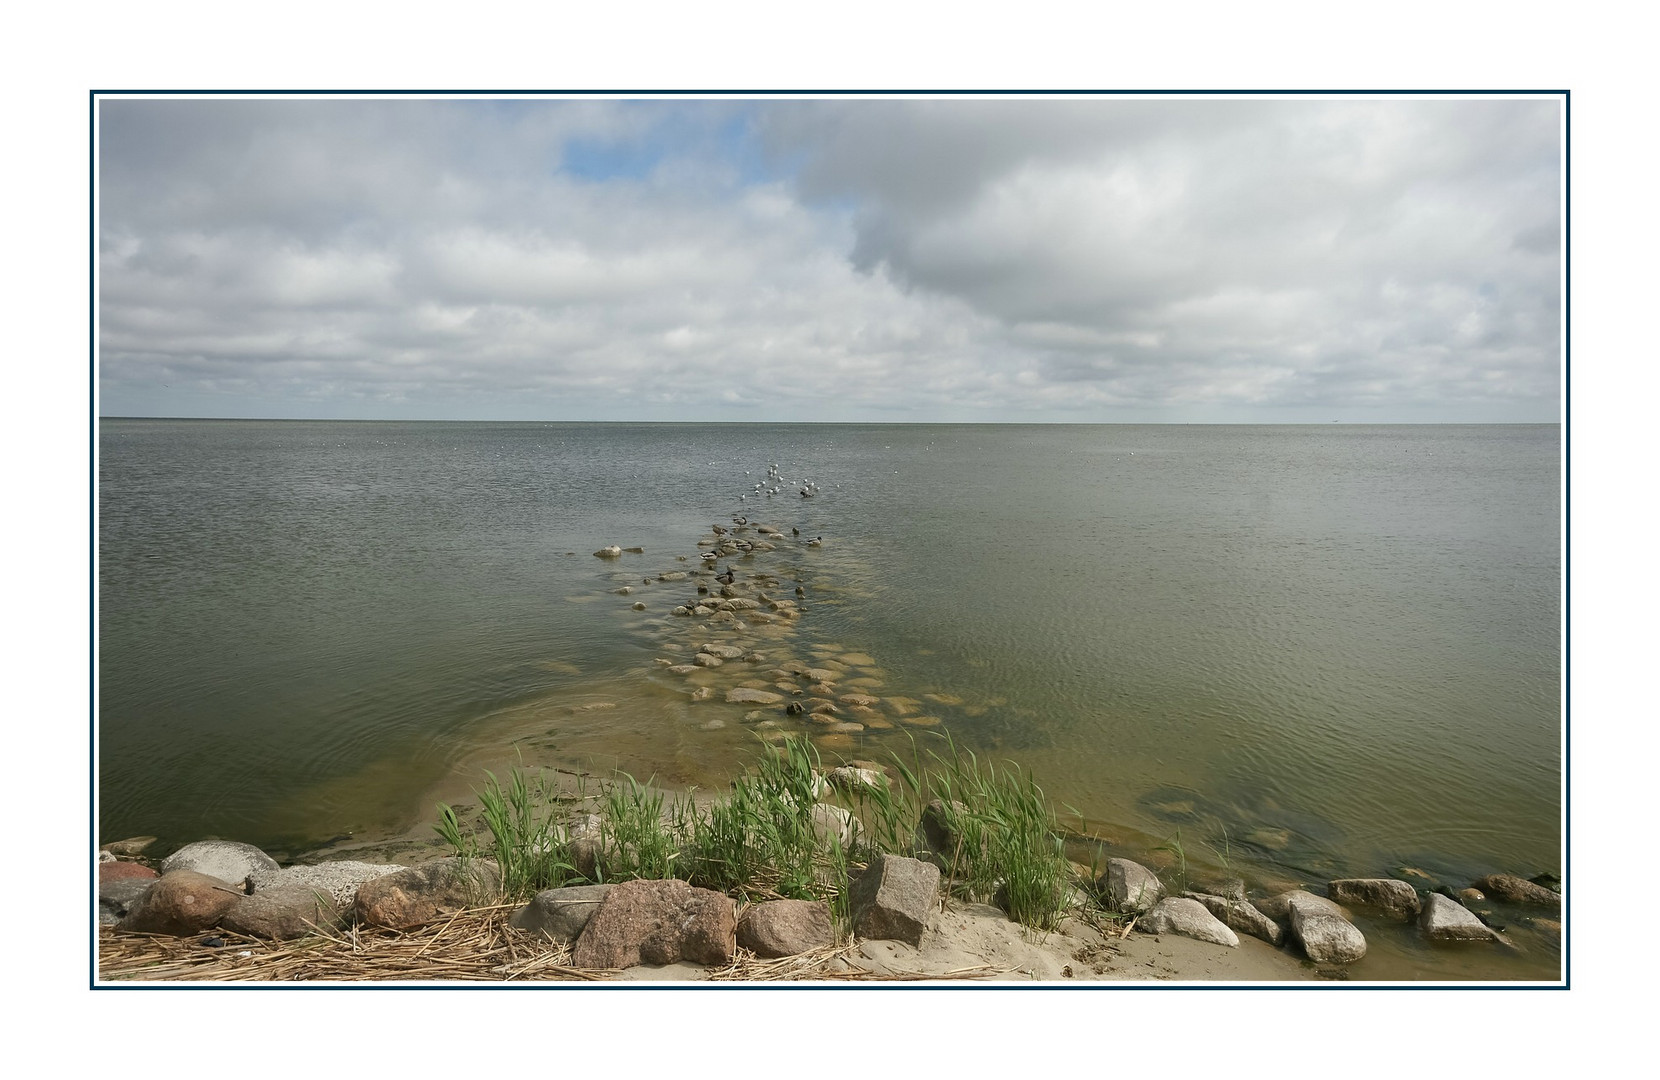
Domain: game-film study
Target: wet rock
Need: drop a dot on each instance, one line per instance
(672, 575)
(1326, 938)
(182, 902)
(703, 693)
(725, 652)
(1514, 890)
(116, 870)
(657, 922)
(858, 660)
(745, 695)
(864, 700)
(131, 846)
(823, 708)
(638, 606)
(704, 659)
(1470, 896)
(894, 899)
(1241, 915)
(1128, 887)
(1445, 919)
(226, 860)
(1395, 898)
(785, 928)
(635, 550)
(560, 914)
(1189, 918)
(282, 913)
(423, 893)
(682, 669)
(1278, 907)
(821, 675)
(611, 552)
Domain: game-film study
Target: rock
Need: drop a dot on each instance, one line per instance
(1278, 907)
(420, 894)
(638, 606)
(1470, 896)
(116, 871)
(725, 652)
(226, 860)
(1128, 887)
(832, 822)
(130, 846)
(744, 695)
(1326, 938)
(1388, 895)
(682, 669)
(182, 902)
(1241, 915)
(657, 922)
(853, 778)
(672, 575)
(935, 839)
(120, 897)
(1231, 888)
(1514, 890)
(1189, 918)
(785, 928)
(560, 914)
(339, 880)
(894, 898)
(282, 913)
(703, 693)
(859, 699)
(1445, 919)
(612, 552)
(704, 659)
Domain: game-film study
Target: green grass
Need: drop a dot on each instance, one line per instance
(759, 840)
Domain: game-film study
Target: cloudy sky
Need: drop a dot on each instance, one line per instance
(1084, 259)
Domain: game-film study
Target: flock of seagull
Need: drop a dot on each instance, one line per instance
(772, 485)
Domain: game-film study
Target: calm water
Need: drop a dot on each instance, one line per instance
(1302, 652)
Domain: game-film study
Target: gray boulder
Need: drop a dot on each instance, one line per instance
(657, 922)
(420, 894)
(1241, 915)
(226, 860)
(1326, 938)
(560, 914)
(339, 881)
(120, 897)
(1278, 907)
(1390, 896)
(1189, 918)
(1128, 887)
(283, 913)
(830, 821)
(1445, 919)
(785, 928)
(894, 898)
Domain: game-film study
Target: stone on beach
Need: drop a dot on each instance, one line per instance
(1320, 927)
(1189, 918)
(894, 898)
(283, 913)
(1240, 914)
(340, 881)
(420, 894)
(778, 928)
(657, 922)
(560, 914)
(1128, 887)
(182, 902)
(227, 860)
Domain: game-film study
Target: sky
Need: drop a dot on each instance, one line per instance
(1082, 259)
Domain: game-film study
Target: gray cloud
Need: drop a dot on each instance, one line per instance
(1075, 259)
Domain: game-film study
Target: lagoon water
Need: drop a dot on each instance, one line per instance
(1297, 652)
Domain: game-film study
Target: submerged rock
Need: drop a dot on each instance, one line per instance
(1445, 919)
(611, 552)
(1515, 890)
(1388, 895)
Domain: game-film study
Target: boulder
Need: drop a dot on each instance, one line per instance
(1445, 919)
(1241, 915)
(226, 860)
(120, 897)
(420, 894)
(785, 928)
(116, 870)
(725, 652)
(338, 880)
(657, 922)
(1326, 938)
(935, 839)
(1395, 898)
(130, 846)
(704, 659)
(182, 902)
(1128, 887)
(1278, 907)
(282, 913)
(1189, 918)
(832, 822)
(894, 898)
(611, 552)
(1514, 890)
(560, 914)
(850, 778)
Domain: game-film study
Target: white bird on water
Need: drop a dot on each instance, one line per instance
(816, 541)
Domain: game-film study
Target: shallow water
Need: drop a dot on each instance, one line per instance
(1298, 652)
